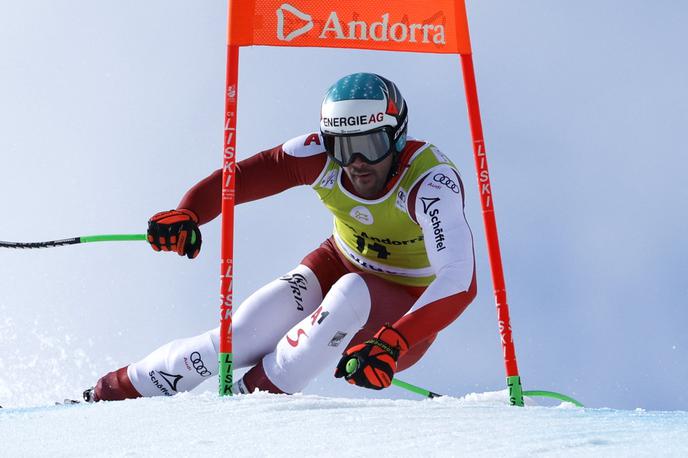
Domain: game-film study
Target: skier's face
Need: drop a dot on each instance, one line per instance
(368, 180)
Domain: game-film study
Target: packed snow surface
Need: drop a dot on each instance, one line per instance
(279, 425)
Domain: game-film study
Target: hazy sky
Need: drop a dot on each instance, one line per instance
(110, 111)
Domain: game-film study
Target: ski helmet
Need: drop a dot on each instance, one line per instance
(363, 114)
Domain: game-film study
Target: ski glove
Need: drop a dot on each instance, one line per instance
(175, 230)
(372, 364)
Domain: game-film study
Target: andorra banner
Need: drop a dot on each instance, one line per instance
(428, 26)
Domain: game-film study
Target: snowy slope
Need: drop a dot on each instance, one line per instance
(278, 425)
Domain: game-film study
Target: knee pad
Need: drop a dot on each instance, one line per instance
(351, 291)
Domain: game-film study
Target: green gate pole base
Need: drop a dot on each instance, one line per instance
(515, 390)
(414, 388)
(226, 376)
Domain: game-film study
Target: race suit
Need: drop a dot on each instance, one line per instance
(405, 259)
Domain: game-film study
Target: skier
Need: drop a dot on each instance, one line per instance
(370, 300)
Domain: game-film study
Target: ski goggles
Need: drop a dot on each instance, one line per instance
(372, 147)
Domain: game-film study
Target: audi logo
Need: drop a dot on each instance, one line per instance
(197, 362)
(448, 182)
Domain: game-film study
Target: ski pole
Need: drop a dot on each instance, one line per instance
(353, 364)
(414, 389)
(74, 241)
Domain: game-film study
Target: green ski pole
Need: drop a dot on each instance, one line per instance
(74, 241)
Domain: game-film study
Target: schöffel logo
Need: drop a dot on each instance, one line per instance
(428, 202)
(383, 30)
(170, 379)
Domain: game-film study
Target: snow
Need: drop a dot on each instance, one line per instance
(111, 106)
(261, 424)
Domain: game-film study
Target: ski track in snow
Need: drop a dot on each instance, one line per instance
(261, 424)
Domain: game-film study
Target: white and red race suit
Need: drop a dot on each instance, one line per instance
(405, 259)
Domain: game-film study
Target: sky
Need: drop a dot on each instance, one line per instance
(109, 112)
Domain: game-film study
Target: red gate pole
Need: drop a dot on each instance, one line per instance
(512, 378)
(228, 194)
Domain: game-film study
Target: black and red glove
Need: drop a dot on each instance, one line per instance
(372, 364)
(175, 230)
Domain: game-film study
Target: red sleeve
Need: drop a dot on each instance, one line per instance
(261, 175)
(451, 255)
(427, 321)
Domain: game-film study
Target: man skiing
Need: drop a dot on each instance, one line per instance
(370, 300)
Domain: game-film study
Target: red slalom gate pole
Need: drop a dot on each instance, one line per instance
(513, 380)
(228, 200)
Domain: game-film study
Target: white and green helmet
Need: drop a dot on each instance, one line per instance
(364, 114)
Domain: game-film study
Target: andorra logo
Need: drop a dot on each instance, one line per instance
(382, 30)
(299, 14)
